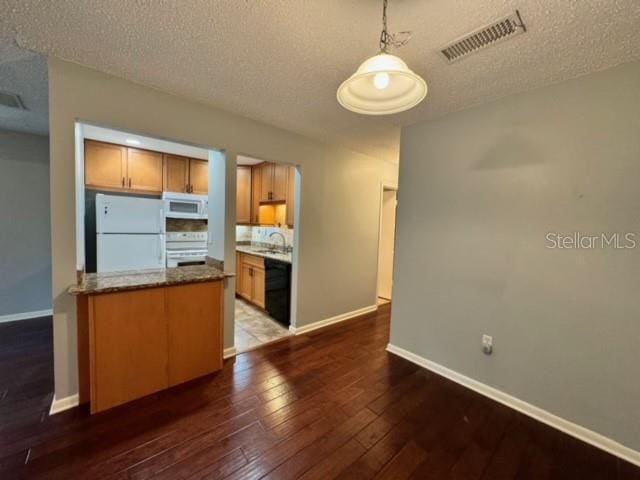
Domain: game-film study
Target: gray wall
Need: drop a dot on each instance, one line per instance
(25, 252)
(339, 204)
(479, 190)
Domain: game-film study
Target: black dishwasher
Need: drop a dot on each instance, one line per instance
(278, 290)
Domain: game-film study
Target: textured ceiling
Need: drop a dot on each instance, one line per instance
(281, 61)
(24, 73)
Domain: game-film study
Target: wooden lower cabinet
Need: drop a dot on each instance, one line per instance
(128, 347)
(134, 343)
(258, 286)
(194, 339)
(238, 271)
(250, 281)
(246, 281)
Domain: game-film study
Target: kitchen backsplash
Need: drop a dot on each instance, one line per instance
(186, 225)
(248, 234)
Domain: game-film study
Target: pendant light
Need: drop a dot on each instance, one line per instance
(383, 84)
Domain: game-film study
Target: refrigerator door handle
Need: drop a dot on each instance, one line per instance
(162, 226)
(160, 248)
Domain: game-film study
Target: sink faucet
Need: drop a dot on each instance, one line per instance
(284, 240)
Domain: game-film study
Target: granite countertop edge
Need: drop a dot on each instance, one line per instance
(95, 283)
(251, 251)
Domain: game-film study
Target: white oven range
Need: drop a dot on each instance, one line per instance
(186, 248)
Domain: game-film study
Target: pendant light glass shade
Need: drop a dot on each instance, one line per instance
(382, 85)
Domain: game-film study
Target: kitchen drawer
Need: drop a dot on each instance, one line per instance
(253, 260)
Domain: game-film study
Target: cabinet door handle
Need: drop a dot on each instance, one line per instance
(129, 182)
(123, 182)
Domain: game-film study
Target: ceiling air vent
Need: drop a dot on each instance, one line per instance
(483, 37)
(11, 100)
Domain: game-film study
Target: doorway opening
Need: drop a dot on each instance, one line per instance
(266, 213)
(386, 243)
(26, 325)
(156, 191)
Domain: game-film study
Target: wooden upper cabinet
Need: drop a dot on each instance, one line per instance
(115, 167)
(176, 174)
(256, 191)
(199, 176)
(144, 170)
(266, 181)
(243, 194)
(291, 195)
(280, 181)
(105, 165)
(273, 182)
(186, 175)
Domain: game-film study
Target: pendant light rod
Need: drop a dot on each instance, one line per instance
(384, 35)
(387, 39)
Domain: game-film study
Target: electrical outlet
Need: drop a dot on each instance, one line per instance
(487, 344)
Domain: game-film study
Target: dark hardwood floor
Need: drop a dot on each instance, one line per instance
(329, 404)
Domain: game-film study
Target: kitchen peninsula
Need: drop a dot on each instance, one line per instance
(144, 331)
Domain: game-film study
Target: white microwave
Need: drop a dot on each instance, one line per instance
(185, 205)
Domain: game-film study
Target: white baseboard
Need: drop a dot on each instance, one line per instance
(25, 315)
(330, 321)
(63, 404)
(229, 352)
(566, 426)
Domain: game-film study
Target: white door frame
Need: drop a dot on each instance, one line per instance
(383, 186)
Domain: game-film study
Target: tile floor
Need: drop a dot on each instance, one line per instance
(254, 327)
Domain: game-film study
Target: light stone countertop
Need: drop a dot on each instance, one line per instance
(260, 252)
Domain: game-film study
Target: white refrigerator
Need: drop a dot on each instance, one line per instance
(130, 233)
